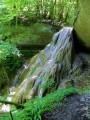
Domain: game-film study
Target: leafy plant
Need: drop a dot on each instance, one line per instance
(9, 60)
(34, 108)
(7, 50)
(48, 85)
(27, 11)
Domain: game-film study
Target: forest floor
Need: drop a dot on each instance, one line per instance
(75, 107)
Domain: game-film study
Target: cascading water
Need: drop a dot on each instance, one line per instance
(47, 65)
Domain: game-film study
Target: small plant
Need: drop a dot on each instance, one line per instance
(49, 84)
(8, 50)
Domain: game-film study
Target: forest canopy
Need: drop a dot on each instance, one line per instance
(12, 11)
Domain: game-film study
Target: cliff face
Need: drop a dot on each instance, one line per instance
(82, 24)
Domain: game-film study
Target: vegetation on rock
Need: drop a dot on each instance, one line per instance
(9, 62)
(45, 79)
(46, 67)
(82, 23)
(34, 108)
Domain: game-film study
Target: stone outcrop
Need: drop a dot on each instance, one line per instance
(55, 67)
(82, 24)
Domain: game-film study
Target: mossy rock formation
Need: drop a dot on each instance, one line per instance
(54, 68)
(30, 39)
(82, 23)
(45, 69)
(35, 34)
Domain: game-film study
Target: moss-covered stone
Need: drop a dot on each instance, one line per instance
(35, 34)
(82, 24)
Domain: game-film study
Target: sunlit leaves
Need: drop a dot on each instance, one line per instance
(7, 50)
(59, 10)
(9, 9)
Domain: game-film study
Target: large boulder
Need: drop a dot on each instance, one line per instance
(82, 23)
(29, 39)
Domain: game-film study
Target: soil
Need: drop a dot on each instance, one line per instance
(75, 107)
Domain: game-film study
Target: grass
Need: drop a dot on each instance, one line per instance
(34, 108)
(84, 91)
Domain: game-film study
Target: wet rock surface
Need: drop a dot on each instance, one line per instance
(75, 107)
(46, 68)
(57, 66)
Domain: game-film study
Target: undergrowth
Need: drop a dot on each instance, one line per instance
(34, 108)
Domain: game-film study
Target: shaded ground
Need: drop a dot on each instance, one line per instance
(76, 107)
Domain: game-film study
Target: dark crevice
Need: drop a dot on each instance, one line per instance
(79, 45)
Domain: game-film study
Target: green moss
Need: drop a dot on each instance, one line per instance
(49, 85)
(28, 53)
(34, 108)
(84, 91)
(2, 76)
(5, 116)
(38, 34)
(3, 81)
(82, 25)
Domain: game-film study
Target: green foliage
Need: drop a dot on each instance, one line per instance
(4, 97)
(5, 116)
(7, 50)
(12, 64)
(9, 61)
(10, 56)
(49, 84)
(2, 77)
(71, 11)
(65, 11)
(27, 11)
(10, 9)
(34, 108)
(84, 91)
